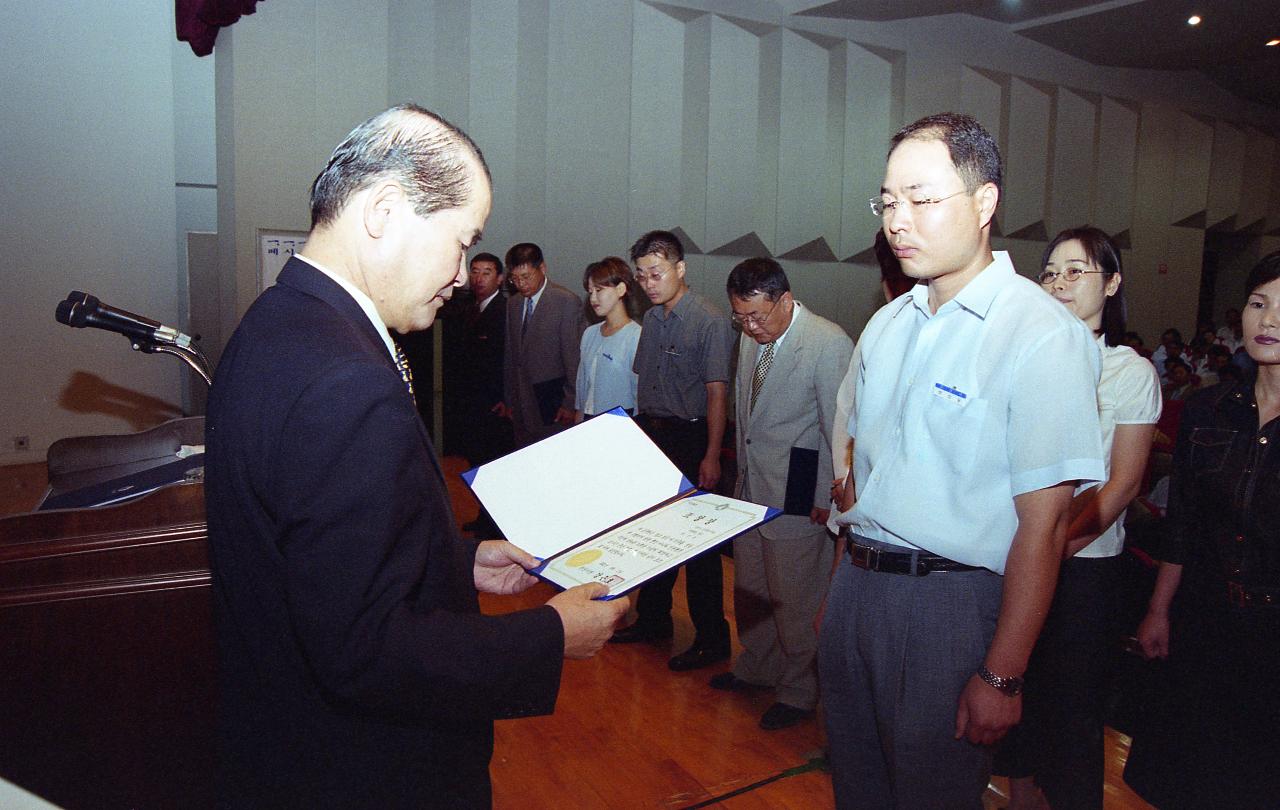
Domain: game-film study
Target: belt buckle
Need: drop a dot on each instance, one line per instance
(869, 556)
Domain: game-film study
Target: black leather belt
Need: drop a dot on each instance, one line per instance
(1245, 596)
(915, 564)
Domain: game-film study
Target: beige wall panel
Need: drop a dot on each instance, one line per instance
(868, 125)
(1026, 162)
(587, 115)
(657, 93)
(734, 153)
(803, 172)
(1074, 137)
(1226, 172)
(1116, 165)
(1189, 192)
(696, 103)
(1259, 163)
(491, 121)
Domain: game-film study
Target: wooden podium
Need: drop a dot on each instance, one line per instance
(107, 666)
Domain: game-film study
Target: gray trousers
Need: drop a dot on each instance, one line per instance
(894, 655)
(778, 585)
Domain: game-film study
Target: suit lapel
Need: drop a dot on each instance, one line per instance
(785, 359)
(302, 277)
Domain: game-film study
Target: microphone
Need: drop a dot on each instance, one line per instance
(81, 310)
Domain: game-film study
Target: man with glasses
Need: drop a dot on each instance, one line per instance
(682, 362)
(540, 363)
(790, 363)
(974, 416)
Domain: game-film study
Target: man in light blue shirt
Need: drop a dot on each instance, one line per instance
(974, 416)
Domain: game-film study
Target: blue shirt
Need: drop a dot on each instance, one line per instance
(605, 378)
(958, 411)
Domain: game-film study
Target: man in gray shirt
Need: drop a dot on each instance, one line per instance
(683, 361)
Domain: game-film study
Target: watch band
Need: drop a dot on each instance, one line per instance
(1010, 686)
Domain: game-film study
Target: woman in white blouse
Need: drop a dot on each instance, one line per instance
(1056, 753)
(608, 348)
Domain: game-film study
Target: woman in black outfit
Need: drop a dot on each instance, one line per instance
(1215, 612)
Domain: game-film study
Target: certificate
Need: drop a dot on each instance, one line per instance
(645, 520)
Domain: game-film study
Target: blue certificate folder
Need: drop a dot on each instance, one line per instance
(600, 502)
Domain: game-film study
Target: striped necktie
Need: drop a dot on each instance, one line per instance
(406, 373)
(762, 368)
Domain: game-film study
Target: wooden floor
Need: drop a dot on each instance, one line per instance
(628, 732)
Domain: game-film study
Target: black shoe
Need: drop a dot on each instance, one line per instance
(699, 656)
(642, 631)
(728, 682)
(781, 715)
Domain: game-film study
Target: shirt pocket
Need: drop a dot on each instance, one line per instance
(1210, 448)
(956, 428)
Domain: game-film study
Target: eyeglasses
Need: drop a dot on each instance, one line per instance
(882, 207)
(657, 275)
(1071, 275)
(754, 320)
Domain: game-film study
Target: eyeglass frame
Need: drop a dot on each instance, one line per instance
(916, 205)
(1071, 275)
(741, 321)
(641, 278)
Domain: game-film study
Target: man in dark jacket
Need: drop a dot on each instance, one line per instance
(355, 667)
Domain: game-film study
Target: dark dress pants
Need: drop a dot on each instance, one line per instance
(685, 444)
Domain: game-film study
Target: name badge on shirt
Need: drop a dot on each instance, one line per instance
(952, 395)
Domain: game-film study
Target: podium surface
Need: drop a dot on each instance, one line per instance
(107, 670)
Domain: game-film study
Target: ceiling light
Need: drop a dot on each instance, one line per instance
(1194, 19)
(1273, 43)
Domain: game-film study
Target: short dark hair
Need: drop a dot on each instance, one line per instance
(487, 257)
(429, 157)
(1102, 254)
(663, 243)
(973, 151)
(524, 253)
(758, 275)
(1264, 272)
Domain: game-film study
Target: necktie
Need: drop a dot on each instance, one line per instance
(528, 313)
(762, 368)
(406, 374)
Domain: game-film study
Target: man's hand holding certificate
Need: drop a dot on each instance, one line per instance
(544, 499)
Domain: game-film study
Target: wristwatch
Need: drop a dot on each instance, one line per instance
(1011, 686)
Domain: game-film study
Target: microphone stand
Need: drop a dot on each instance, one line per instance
(191, 356)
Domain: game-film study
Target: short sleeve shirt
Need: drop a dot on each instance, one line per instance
(678, 354)
(1128, 394)
(605, 378)
(958, 411)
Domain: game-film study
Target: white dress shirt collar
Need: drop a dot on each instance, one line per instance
(365, 302)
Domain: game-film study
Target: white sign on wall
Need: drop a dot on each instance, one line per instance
(274, 249)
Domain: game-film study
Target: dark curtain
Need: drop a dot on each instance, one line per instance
(199, 20)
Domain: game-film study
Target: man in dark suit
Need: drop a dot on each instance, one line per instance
(479, 366)
(355, 667)
(544, 334)
(482, 433)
